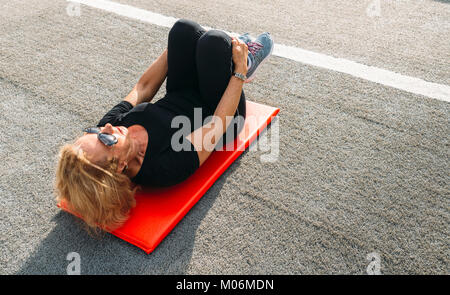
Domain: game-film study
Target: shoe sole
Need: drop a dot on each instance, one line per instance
(253, 76)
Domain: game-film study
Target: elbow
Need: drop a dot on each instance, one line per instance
(144, 89)
(141, 86)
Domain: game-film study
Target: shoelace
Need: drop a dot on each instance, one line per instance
(254, 47)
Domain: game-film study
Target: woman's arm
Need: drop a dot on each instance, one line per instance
(204, 138)
(150, 82)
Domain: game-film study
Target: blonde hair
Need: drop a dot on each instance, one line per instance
(102, 196)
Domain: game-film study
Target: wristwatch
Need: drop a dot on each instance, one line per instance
(240, 76)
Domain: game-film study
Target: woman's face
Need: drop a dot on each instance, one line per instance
(99, 153)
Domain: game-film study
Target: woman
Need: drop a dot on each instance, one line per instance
(133, 144)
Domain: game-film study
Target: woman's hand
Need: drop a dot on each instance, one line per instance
(240, 54)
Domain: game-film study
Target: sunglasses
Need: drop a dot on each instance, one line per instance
(105, 138)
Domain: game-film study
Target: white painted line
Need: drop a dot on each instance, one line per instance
(373, 74)
(369, 73)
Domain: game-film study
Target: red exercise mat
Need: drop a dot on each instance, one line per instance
(158, 210)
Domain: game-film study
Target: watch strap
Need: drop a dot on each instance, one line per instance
(240, 76)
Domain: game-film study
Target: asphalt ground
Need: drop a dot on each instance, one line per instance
(362, 168)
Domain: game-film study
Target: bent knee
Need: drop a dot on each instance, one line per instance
(215, 38)
(183, 26)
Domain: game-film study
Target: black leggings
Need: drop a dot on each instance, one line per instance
(202, 61)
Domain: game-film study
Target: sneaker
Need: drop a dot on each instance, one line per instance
(245, 37)
(258, 51)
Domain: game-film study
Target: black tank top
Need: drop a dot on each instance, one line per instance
(162, 165)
